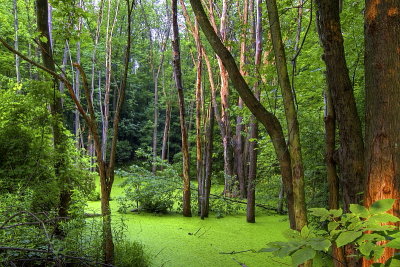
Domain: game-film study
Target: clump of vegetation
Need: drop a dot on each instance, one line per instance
(28, 237)
(369, 230)
(147, 191)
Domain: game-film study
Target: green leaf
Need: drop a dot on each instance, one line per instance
(381, 206)
(332, 225)
(305, 231)
(347, 237)
(319, 243)
(319, 212)
(359, 210)
(395, 243)
(43, 39)
(384, 218)
(302, 255)
(336, 213)
(366, 249)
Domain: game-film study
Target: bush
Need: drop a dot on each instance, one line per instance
(149, 192)
(130, 254)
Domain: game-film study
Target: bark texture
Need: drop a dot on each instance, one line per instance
(291, 116)
(186, 210)
(351, 153)
(382, 83)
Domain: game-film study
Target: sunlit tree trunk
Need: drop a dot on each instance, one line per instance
(382, 83)
(186, 210)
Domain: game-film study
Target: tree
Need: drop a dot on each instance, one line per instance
(268, 119)
(178, 82)
(382, 83)
(59, 137)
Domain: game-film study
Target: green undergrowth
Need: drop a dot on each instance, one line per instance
(174, 241)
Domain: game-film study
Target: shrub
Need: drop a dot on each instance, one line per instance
(364, 228)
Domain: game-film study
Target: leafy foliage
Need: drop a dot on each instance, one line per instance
(362, 227)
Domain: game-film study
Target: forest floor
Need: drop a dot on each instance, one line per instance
(176, 241)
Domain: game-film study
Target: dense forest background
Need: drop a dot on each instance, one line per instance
(252, 105)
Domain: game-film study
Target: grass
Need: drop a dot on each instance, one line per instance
(175, 241)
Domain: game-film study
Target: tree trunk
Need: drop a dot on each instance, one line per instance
(59, 138)
(253, 132)
(238, 145)
(208, 164)
(382, 83)
(351, 153)
(268, 119)
(291, 116)
(15, 11)
(332, 177)
(166, 132)
(178, 82)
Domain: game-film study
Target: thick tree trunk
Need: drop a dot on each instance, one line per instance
(291, 116)
(178, 82)
(268, 119)
(382, 83)
(351, 153)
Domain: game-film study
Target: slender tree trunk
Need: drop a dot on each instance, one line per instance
(16, 43)
(268, 119)
(238, 148)
(208, 163)
(156, 75)
(59, 138)
(382, 83)
(225, 117)
(332, 177)
(199, 115)
(166, 132)
(253, 132)
(178, 82)
(106, 104)
(77, 124)
(291, 116)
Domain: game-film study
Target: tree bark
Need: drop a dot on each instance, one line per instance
(332, 177)
(239, 144)
(268, 119)
(291, 116)
(208, 149)
(351, 153)
(382, 83)
(178, 82)
(59, 138)
(253, 132)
